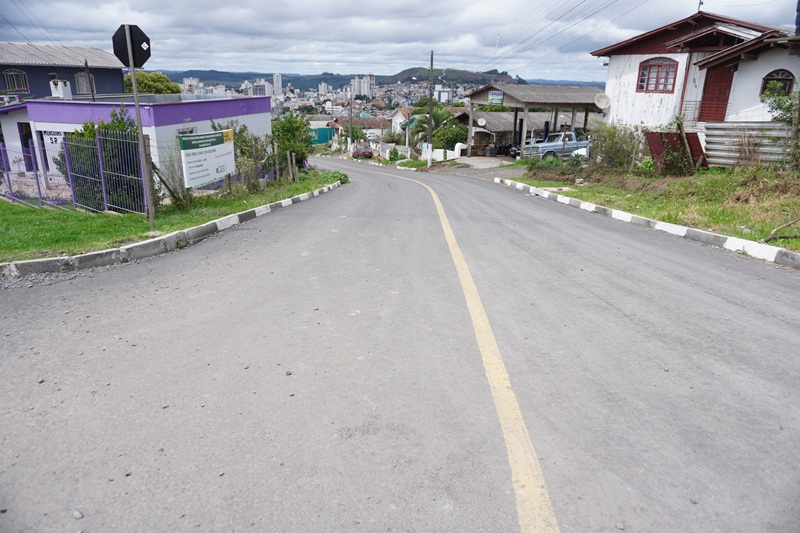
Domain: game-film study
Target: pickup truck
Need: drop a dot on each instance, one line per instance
(554, 146)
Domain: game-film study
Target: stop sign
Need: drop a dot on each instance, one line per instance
(140, 44)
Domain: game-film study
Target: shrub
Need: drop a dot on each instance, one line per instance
(394, 155)
(332, 176)
(449, 135)
(617, 146)
(392, 137)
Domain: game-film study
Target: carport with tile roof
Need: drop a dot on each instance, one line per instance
(527, 97)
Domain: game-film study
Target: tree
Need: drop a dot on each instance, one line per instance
(420, 127)
(119, 139)
(357, 133)
(120, 121)
(451, 134)
(292, 136)
(786, 108)
(250, 152)
(422, 102)
(778, 102)
(394, 137)
(152, 82)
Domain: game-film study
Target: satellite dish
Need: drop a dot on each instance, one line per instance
(602, 101)
(481, 122)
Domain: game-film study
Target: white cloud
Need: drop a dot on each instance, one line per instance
(349, 37)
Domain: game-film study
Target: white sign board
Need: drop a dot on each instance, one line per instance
(206, 157)
(496, 97)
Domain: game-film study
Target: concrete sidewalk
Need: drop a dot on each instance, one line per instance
(482, 162)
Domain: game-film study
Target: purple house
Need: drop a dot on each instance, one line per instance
(43, 122)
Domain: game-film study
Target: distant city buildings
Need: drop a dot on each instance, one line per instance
(365, 85)
(380, 99)
(262, 87)
(195, 86)
(443, 95)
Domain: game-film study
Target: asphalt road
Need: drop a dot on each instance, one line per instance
(319, 369)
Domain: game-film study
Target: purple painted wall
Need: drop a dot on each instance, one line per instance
(199, 110)
(161, 114)
(69, 112)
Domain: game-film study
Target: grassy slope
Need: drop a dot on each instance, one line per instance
(27, 233)
(746, 202)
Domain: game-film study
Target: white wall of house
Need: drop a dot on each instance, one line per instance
(8, 124)
(398, 120)
(744, 103)
(695, 84)
(638, 108)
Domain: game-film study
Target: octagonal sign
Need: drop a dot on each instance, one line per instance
(140, 43)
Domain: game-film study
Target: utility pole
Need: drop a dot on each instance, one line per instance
(350, 124)
(430, 115)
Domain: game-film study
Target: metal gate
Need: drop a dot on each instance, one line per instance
(105, 171)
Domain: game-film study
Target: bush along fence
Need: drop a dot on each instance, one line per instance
(101, 173)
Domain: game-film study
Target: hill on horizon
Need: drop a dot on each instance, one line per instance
(338, 81)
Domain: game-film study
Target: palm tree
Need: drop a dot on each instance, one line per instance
(420, 128)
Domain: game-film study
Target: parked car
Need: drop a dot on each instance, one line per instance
(515, 151)
(362, 151)
(555, 145)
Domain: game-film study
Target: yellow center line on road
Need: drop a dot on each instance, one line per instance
(534, 508)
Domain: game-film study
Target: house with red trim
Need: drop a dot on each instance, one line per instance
(706, 67)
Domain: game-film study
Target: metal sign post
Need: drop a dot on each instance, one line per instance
(133, 63)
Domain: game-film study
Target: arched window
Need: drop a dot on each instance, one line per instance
(782, 77)
(16, 81)
(657, 75)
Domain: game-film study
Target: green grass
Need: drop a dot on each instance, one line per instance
(412, 163)
(747, 203)
(27, 233)
(521, 162)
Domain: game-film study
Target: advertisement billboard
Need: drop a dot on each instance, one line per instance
(206, 157)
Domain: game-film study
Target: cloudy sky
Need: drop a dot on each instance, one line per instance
(532, 39)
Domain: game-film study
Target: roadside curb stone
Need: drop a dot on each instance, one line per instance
(757, 250)
(143, 249)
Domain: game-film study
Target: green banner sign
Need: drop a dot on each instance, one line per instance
(206, 157)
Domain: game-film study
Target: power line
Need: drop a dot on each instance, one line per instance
(12, 25)
(741, 5)
(590, 32)
(606, 6)
(54, 39)
(545, 24)
(541, 27)
(29, 19)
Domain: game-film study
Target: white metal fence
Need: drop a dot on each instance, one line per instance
(731, 144)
